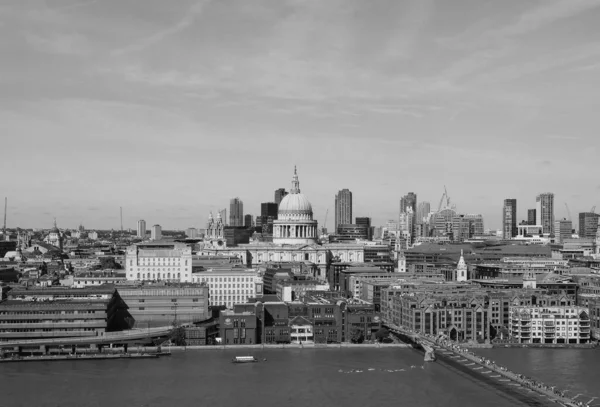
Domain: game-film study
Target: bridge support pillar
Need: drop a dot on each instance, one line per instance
(125, 347)
(93, 346)
(44, 349)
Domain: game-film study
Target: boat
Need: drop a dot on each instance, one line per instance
(244, 359)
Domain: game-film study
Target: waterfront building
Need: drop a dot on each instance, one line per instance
(238, 328)
(156, 232)
(141, 229)
(279, 194)
(563, 229)
(343, 207)
(509, 219)
(547, 324)
(295, 224)
(588, 224)
(594, 312)
(59, 312)
(162, 305)
(159, 261)
(229, 286)
(236, 212)
(544, 212)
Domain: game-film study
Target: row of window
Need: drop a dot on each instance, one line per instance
(45, 312)
(226, 279)
(42, 321)
(46, 330)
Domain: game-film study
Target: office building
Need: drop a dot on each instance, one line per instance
(588, 224)
(366, 222)
(343, 207)
(563, 229)
(279, 194)
(156, 232)
(223, 214)
(191, 233)
(230, 286)
(248, 221)
(141, 229)
(408, 200)
(159, 261)
(423, 209)
(509, 219)
(531, 217)
(236, 212)
(268, 214)
(544, 212)
(350, 232)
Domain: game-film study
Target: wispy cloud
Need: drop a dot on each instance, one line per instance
(585, 68)
(66, 44)
(182, 24)
(562, 137)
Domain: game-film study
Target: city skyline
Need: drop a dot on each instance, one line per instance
(98, 117)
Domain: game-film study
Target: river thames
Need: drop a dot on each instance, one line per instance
(290, 377)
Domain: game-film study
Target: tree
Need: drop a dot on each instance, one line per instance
(356, 335)
(381, 334)
(109, 263)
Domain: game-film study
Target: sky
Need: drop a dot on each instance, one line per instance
(170, 109)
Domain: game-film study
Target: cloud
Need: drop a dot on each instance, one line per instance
(590, 67)
(65, 44)
(181, 25)
(562, 137)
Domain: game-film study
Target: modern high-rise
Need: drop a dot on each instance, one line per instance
(248, 221)
(236, 212)
(544, 212)
(365, 221)
(141, 229)
(509, 219)
(343, 208)
(563, 229)
(223, 214)
(279, 194)
(531, 218)
(268, 213)
(407, 200)
(423, 209)
(588, 224)
(156, 232)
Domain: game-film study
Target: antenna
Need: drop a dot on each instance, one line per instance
(5, 204)
(121, 208)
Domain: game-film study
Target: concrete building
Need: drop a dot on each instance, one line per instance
(162, 305)
(230, 286)
(544, 211)
(423, 210)
(248, 222)
(159, 261)
(366, 221)
(588, 224)
(279, 194)
(547, 324)
(141, 229)
(563, 229)
(192, 233)
(509, 219)
(350, 233)
(236, 212)
(156, 232)
(343, 207)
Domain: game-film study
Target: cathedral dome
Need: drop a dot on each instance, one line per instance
(295, 206)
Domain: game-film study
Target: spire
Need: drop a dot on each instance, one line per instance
(295, 183)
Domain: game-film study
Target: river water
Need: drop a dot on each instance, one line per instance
(290, 377)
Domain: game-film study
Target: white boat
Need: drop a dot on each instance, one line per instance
(244, 359)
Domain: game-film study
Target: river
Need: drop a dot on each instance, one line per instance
(290, 377)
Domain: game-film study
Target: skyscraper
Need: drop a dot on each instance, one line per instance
(343, 207)
(407, 200)
(236, 212)
(423, 209)
(141, 229)
(223, 214)
(156, 232)
(544, 212)
(248, 221)
(588, 224)
(279, 194)
(268, 213)
(531, 218)
(509, 219)
(562, 230)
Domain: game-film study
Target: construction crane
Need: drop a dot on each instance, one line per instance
(568, 211)
(4, 227)
(442, 200)
(325, 223)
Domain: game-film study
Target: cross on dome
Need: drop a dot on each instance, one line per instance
(295, 183)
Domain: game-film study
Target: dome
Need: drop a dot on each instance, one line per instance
(295, 204)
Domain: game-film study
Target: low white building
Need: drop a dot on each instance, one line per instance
(230, 286)
(159, 261)
(539, 324)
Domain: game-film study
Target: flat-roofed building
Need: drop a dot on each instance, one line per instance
(547, 324)
(153, 305)
(230, 286)
(159, 261)
(238, 328)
